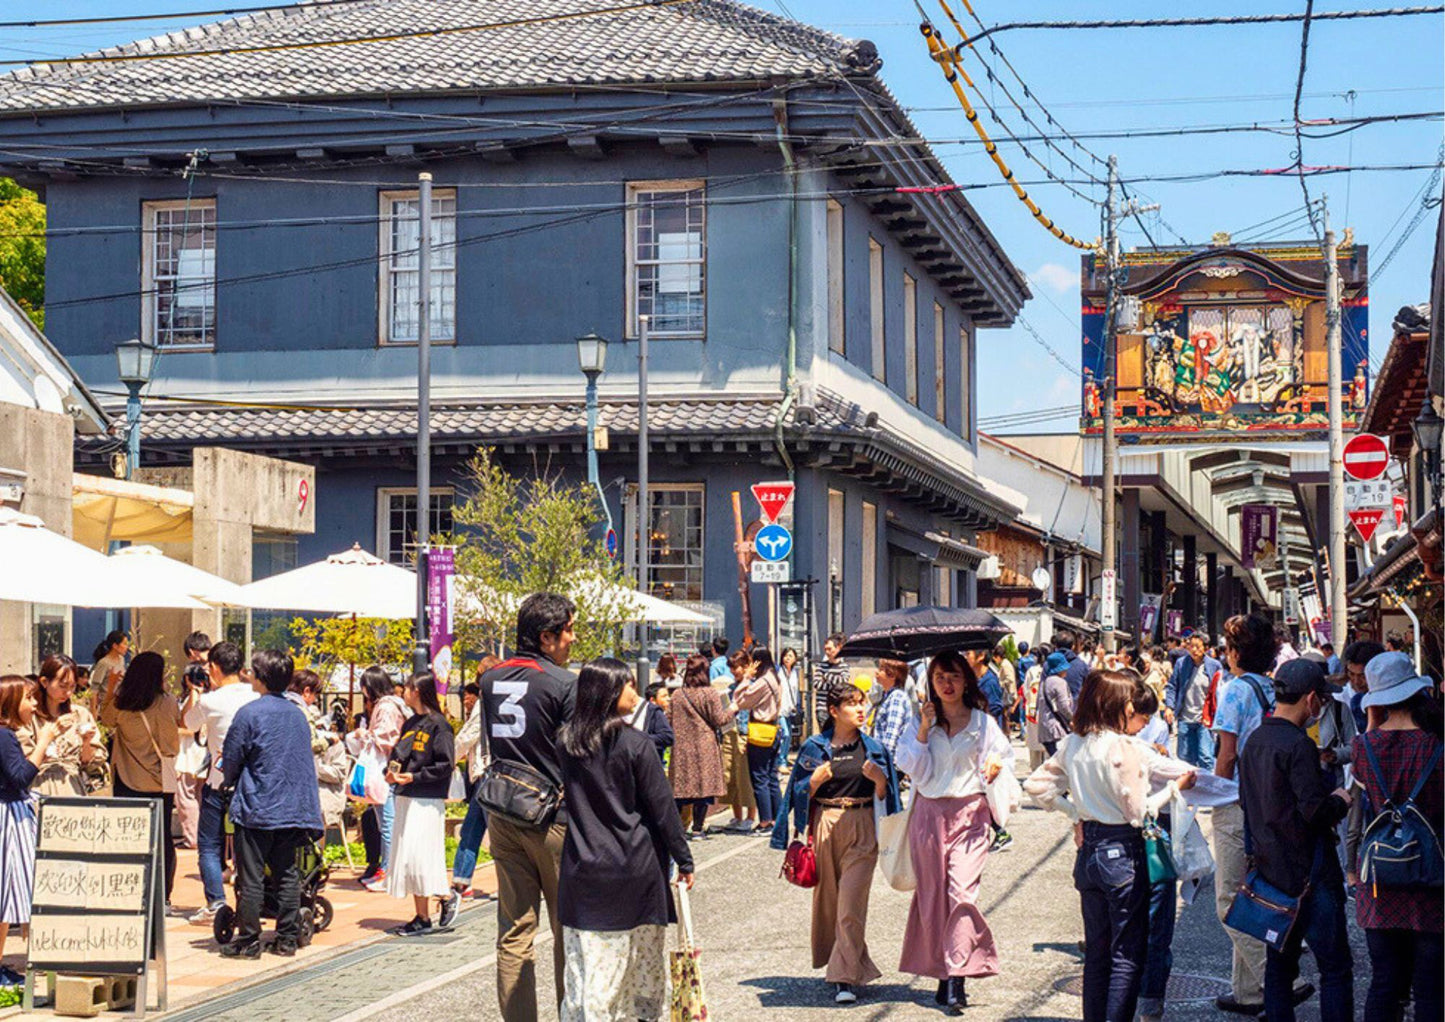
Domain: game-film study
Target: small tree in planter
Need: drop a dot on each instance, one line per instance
(517, 536)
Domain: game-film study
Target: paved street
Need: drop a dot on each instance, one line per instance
(753, 930)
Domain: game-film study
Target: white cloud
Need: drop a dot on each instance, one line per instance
(1057, 277)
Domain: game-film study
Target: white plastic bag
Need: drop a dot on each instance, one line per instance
(894, 857)
(367, 782)
(457, 788)
(1193, 860)
(1005, 795)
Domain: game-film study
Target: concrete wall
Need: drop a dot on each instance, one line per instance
(39, 444)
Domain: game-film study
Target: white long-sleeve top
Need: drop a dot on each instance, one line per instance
(953, 766)
(1105, 777)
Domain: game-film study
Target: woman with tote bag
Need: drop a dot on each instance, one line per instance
(956, 754)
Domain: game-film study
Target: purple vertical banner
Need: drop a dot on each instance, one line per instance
(441, 571)
(1174, 622)
(1148, 616)
(1259, 535)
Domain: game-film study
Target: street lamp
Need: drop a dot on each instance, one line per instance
(592, 360)
(135, 361)
(1427, 428)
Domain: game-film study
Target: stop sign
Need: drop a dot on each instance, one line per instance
(1366, 457)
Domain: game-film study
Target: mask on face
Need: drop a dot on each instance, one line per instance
(1317, 711)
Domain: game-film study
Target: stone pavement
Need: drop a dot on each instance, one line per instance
(753, 932)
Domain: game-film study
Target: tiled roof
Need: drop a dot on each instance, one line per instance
(695, 40)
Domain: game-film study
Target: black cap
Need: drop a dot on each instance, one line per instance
(1300, 677)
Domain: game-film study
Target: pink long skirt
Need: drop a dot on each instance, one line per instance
(946, 933)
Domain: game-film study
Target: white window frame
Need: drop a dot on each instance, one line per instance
(386, 269)
(634, 190)
(875, 310)
(837, 335)
(910, 338)
(965, 377)
(383, 516)
(150, 303)
(940, 371)
(870, 559)
(630, 519)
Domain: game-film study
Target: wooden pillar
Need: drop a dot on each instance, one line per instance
(1211, 595)
(1132, 584)
(1190, 583)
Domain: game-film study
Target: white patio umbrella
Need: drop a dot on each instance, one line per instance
(353, 583)
(636, 607)
(41, 566)
(147, 569)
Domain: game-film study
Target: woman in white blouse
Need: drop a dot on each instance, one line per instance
(956, 752)
(1101, 779)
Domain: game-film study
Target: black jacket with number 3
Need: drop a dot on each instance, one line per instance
(524, 701)
(622, 829)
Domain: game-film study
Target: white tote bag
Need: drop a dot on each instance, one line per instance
(894, 857)
(1005, 795)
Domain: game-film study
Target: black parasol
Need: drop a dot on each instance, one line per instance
(915, 632)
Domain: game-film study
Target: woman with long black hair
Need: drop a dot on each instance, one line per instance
(956, 753)
(145, 721)
(623, 832)
(384, 715)
(109, 660)
(421, 768)
(761, 695)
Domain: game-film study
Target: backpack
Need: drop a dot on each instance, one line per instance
(1399, 847)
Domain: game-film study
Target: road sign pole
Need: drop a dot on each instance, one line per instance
(1339, 612)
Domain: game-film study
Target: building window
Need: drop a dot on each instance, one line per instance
(396, 522)
(965, 381)
(835, 277)
(675, 539)
(870, 558)
(400, 245)
(666, 249)
(910, 338)
(940, 388)
(875, 309)
(178, 274)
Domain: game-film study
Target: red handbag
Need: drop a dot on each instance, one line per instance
(800, 865)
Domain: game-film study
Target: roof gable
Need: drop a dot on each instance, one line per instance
(439, 46)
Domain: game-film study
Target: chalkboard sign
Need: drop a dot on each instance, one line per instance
(98, 904)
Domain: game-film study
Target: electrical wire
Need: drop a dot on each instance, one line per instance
(1299, 152)
(948, 62)
(220, 12)
(314, 44)
(1426, 204)
(1238, 19)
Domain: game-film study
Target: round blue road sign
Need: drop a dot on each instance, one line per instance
(612, 543)
(773, 542)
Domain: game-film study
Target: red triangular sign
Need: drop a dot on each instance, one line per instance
(772, 498)
(1366, 519)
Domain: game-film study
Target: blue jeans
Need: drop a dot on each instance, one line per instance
(1196, 745)
(1113, 884)
(210, 841)
(468, 842)
(385, 814)
(763, 768)
(1401, 962)
(1321, 924)
(1160, 960)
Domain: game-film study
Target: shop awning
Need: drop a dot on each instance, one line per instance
(105, 510)
(936, 548)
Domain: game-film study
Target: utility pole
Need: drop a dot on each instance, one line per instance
(1339, 612)
(644, 506)
(1109, 614)
(421, 654)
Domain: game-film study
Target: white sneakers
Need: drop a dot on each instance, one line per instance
(207, 915)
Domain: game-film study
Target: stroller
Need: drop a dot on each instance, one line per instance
(316, 910)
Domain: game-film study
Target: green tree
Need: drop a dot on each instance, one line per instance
(325, 643)
(22, 248)
(518, 536)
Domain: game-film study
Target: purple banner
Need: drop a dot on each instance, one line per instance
(440, 572)
(1148, 617)
(1174, 622)
(1259, 535)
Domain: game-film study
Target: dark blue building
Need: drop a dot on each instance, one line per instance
(247, 200)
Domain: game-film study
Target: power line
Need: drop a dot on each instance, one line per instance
(221, 12)
(127, 58)
(1241, 19)
(1299, 152)
(1426, 203)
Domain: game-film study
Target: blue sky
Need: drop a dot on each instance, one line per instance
(1106, 80)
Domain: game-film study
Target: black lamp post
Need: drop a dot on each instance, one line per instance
(1427, 428)
(135, 363)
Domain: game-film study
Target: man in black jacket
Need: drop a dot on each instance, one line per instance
(524, 701)
(1290, 815)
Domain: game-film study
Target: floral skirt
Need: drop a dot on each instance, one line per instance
(614, 976)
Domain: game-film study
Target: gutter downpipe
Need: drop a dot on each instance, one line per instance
(790, 383)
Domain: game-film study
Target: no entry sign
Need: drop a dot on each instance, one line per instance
(1366, 457)
(1366, 520)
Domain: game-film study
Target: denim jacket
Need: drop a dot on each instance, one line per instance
(793, 814)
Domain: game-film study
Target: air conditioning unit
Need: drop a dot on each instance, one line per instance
(988, 568)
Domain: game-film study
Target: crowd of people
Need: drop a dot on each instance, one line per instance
(593, 794)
